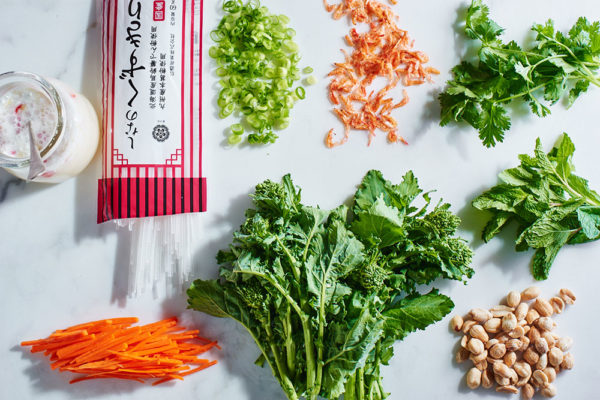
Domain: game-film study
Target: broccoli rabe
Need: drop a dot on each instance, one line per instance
(325, 294)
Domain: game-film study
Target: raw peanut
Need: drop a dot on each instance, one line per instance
(555, 357)
(473, 378)
(462, 355)
(503, 337)
(487, 380)
(550, 373)
(501, 381)
(501, 307)
(502, 370)
(517, 333)
(491, 343)
(534, 334)
(456, 323)
(548, 391)
(475, 346)
(513, 299)
(507, 389)
(513, 345)
(510, 358)
(567, 296)
(567, 362)
(493, 325)
(500, 313)
(476, 358)
(467, 325)
(526, 342)
(531, 356)
(526, 328)
(491, 360)
(480, 315)
(481, 365)
(522, 369)
(498, 350)
(464, 342)
(557, 304)
(478, 332)
(509, 322)
(522, 382)
(521, 311)
(530, 293)
(540, 345)
(527, 392)
(565, 343)
(539, 378)
(550, 339)
(542, 362)
(543, 307)
(531, 316)
(514, 378)
(545, 323)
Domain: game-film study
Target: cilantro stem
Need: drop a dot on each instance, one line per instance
(521, 94)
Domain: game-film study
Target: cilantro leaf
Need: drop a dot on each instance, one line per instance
(557, 65)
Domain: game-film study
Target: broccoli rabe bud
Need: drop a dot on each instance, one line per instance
(372, 276)
(257, 226)
(444, 221)
(460, 253)
(253, 295)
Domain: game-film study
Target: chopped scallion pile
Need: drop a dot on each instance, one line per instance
(257, 61)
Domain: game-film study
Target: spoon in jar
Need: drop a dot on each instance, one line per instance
(36, 164)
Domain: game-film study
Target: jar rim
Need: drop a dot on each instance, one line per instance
(49, 90)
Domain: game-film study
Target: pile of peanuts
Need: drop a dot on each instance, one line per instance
(513, 345)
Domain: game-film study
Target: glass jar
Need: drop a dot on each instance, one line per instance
(63, 123)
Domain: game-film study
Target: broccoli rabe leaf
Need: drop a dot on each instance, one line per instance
(557, 65)
(551, 204)
(326, 293)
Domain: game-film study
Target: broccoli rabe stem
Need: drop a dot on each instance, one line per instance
(290, 346)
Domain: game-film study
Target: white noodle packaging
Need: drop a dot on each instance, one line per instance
(152, 134)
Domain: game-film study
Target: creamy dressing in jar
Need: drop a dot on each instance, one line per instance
(63, 123)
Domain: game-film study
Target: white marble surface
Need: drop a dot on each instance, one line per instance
(57, 267)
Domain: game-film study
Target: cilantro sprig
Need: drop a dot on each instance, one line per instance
(551, 204)
(557, 65)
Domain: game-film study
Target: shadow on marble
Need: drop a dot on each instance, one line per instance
(46, 380)
(11, 188)
(86, 196)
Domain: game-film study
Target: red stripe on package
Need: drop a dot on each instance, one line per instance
(151, 100)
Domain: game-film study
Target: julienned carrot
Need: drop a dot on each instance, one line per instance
(112, 348)
(383, 51)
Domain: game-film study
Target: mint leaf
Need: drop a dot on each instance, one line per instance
(552, 205)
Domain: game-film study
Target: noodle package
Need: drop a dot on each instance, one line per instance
(151, 98)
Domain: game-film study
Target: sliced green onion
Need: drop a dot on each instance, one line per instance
(311, 80)
(237, 129)
(307, 70)
(234, 139)
(213, 52)
(257, 61)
